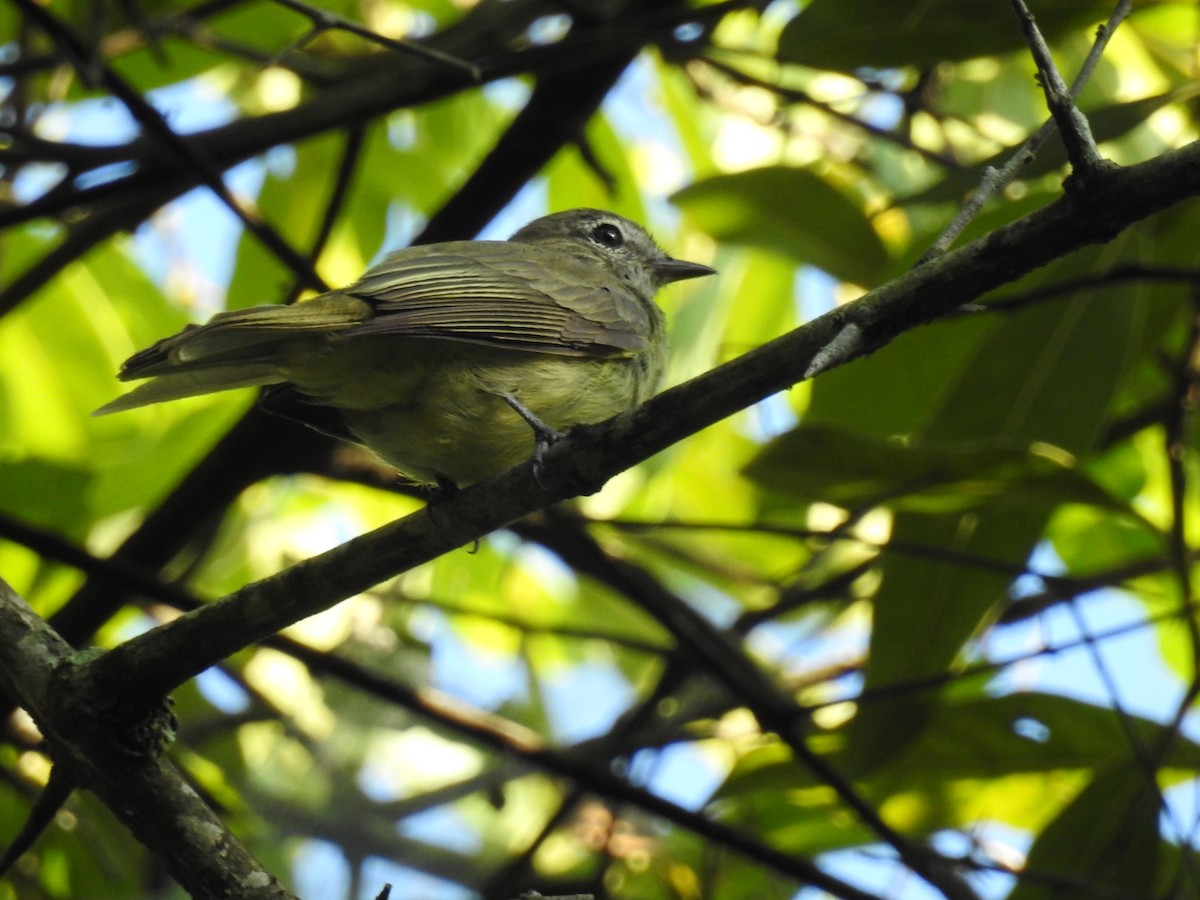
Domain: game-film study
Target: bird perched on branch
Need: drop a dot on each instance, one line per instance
(451, 361)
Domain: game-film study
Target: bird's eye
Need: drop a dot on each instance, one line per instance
(608, 235)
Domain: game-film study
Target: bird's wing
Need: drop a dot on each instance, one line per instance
(503, 294)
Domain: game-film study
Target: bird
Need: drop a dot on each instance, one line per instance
(451, 361)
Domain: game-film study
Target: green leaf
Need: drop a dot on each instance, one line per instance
(816, 462)
(1087, 540)
(1106, 840)
(571, 180)
(1047, 374)
(1015, 759)
(437, 146)
(789, 211)
(896, 390)
(850, 34)
(704, 330)
(45, 493)
(260, 277)
(989, 737)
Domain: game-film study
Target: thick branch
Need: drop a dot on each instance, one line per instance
(183, 151)
(146, 792)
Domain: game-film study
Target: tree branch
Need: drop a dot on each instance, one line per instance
(374, 88)
(184, 151)
(995, 180)
(146, 792)
(1072, 124)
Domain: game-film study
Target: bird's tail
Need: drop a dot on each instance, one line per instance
(240, 348)
(192, 383)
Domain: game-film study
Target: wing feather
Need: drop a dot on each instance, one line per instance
(504, 294)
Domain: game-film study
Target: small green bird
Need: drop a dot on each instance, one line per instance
(448, 359)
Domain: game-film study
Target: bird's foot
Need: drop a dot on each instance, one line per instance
(438, 492)
(544, 436)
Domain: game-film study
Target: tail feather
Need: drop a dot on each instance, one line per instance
(240, 336)
(193, 382)
(239, 348)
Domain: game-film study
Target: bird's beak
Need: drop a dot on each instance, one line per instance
(669, 270)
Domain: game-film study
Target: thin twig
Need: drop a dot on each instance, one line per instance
(845, 345)
(351, 157)
(1145, 758)
(1072, 124)
(1114, 276)
(1176, 443)
(938, 680)
(179, 146)
(995, 180)
(795, 95)
(1177, 421)
(324, 20)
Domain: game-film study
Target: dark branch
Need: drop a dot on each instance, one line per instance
(146, 792)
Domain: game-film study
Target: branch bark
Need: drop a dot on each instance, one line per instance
(122, 764)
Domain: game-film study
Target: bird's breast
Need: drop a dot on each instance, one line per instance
(436, 408)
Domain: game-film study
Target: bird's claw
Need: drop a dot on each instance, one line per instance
(544, 436)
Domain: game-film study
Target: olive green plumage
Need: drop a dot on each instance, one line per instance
(420, 353)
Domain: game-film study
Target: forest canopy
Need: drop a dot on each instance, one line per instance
(889, 594)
